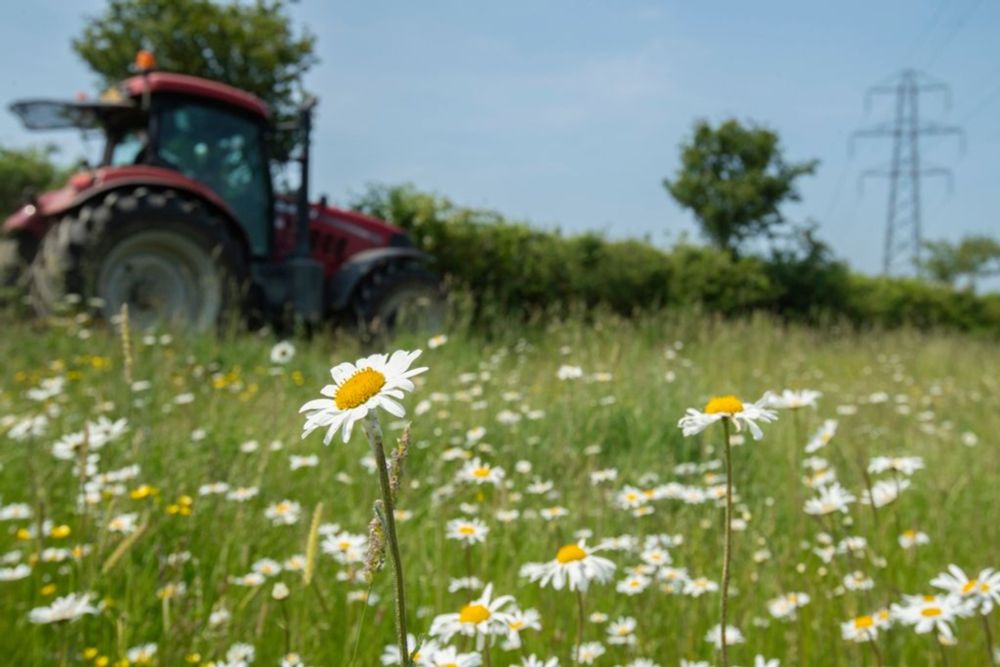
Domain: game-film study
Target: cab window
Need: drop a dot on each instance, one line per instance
(224, 151)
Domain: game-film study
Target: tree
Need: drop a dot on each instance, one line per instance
(734, 178)
(23, 171)
(249, 45)
(973, 257)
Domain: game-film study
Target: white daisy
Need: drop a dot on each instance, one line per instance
(911, 538)
(733, 636)
(450, 657)
(574, 564)
(791, 399)
(477, 471)
(419, 654)
(124, 523)
(480, 618)
(928, 612)
(884, 492)
(282, 352)
(860, 629)
(517, 622)
(698, 587)
(822, 437)
(468, 531)
(67, 608)
(19, 571)
(534, 661)
(144, 654)
(622, 631)
(833, 498)
(981, 592)
(358, 388)
(731, 408)
(589, 652)
(906, 465)
(633, 585)
(284, 513)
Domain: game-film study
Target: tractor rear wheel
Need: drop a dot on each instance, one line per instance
(400, 298)
(164, 255)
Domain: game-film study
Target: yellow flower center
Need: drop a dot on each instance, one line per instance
(724, 404)
(570, 553)
(359, 388)
(473, 613)
(864, 622)
(969, 586)
(515, 625)
(481, 473)
(930, 612)
(467, 530)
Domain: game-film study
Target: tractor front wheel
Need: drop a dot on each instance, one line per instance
(15, 256)
(165, 256)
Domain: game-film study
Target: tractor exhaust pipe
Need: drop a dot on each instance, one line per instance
(305, 288)
(305, 130)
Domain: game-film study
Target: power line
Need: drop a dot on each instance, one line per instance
(928, 28)
(956, 28)
(903, 233)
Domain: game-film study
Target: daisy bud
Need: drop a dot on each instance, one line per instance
(280, 591)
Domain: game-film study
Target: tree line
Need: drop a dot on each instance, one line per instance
(733, 177)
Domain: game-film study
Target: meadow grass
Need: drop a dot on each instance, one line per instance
(939, 388)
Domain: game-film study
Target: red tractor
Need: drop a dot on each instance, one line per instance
(181, 221)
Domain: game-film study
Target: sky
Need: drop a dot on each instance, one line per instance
(569, 113)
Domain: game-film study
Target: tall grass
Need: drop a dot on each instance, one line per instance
(938, 386)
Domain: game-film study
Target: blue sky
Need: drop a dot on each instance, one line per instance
(570, 113)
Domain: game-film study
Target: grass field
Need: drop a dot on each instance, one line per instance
(166, 547)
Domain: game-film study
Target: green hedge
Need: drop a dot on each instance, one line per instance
(511, 267)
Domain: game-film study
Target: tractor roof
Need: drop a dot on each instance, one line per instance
(166, 82)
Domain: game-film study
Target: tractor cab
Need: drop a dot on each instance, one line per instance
(182, 204)
(209, 132)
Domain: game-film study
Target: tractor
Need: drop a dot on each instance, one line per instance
(182, 222)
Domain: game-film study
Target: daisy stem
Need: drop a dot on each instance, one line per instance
(728, 543)
(63, 645)
(288, 626)
(878, 653)
(321, 598)
(989, 637)
(944, 656)
(579, 626)
(374, 432)
(361, 625)
(796, 473)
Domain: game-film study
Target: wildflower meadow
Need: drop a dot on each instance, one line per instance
(666, 491)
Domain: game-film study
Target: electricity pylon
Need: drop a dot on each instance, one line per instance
(903, 223)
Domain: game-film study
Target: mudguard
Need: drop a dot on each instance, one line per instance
(35, 219)
(343, 283)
